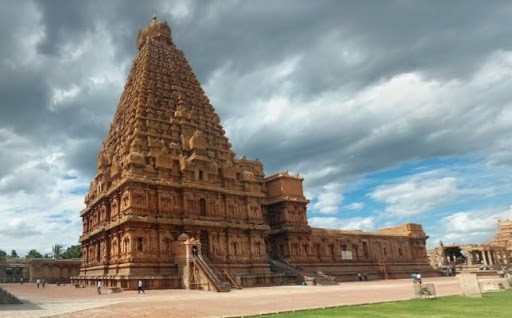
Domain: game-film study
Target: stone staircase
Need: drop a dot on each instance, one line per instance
(309, 278)
(324, 279)
(479, 270)
(212, 272)
(232, 279)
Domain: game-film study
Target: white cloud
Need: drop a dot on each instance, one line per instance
(179, 10)
(355, 206)
(468, 227)
(329, 201)
(61, 96)
(416, 195)
(40, 204)
(474, 221)
(359, 223)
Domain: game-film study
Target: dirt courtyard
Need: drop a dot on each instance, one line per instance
(67, 301)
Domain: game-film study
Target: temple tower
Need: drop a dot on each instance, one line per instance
(165, 169)
(171, 205)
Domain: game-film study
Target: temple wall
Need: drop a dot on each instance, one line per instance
(53, 271)
(340, 246)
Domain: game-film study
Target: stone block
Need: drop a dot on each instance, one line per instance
(469, 285)
(424, 290)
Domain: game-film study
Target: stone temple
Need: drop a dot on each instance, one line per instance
(173, 206)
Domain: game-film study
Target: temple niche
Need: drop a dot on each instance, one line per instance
(172, 205)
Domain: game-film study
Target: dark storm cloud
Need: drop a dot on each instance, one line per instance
(11, 26)
(82, 156)
(339, 46)
(391, 36)
(65, 21)
(24, 95)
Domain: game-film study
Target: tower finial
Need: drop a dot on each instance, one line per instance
(154, 15)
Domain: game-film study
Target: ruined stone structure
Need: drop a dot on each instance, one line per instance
(492, 255)
(484, 254)
(172, 205)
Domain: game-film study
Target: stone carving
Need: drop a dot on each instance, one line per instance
(166, 170)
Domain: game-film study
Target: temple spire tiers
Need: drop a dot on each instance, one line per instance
(167, 179)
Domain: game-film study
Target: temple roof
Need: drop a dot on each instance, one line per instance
(164, 121)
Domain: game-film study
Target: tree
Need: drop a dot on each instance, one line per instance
(74, 251)
(14, 254)
(57, 251)
(2, 253)
(34, 254)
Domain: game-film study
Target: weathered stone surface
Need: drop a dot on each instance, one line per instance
(492, 286)
(424, 291)
(469, 285)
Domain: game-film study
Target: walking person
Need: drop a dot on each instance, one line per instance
(140, 289)
(38, 281)
(98, 287)
(360, 276)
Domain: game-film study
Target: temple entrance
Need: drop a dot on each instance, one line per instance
(205, 243)
(454, 256)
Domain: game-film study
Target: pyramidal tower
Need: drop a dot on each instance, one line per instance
(168, 183)
(172, 206)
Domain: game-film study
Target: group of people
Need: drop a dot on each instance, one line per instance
(503, 272)
(362, 276)
(416, 278)
(139, 287)
(39, 282)
(449, 271)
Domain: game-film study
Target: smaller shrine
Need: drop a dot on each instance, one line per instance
(494, 255)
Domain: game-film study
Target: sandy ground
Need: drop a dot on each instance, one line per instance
(67, 301)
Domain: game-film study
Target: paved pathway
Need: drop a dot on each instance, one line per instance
(67, 301)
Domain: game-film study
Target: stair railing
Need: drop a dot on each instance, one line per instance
(212, 272)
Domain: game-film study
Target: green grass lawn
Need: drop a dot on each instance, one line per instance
(491, 305)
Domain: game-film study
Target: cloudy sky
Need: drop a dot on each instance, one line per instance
(392, 111)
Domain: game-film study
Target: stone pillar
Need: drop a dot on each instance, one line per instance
(484, 257)
(499, 257)
(491, 256)
(470, 258)
(31, 276)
